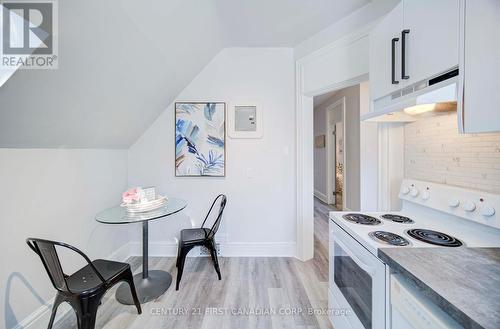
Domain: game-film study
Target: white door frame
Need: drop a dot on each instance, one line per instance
(329, 142)
(305, 163)
(346, 53)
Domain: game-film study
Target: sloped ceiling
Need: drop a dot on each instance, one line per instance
(279, 23)
(122, 62)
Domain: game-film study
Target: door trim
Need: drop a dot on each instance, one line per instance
(304, 137)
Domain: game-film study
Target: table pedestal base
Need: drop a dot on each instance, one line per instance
(147, 289)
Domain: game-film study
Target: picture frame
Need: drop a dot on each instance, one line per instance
(200, 139)
(320, 141)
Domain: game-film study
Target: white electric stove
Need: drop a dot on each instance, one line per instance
(432, 216)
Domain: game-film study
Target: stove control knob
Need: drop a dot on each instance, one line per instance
(405, 190)
(487, 211)
(469, 206)
(426, 195)
(454, 203)
(414, 192)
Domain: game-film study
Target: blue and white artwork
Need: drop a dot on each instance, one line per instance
(200, 139)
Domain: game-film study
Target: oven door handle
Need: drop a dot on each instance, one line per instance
(369, 269)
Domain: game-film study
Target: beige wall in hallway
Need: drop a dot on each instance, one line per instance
(352, 139)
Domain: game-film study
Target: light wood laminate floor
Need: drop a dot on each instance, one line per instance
(267, 285)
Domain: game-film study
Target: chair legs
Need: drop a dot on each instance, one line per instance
(86, 306)
(86, 311)
(57, 301)
(213, 253)
(87, 321)
(181, 259)
(129, 278)
(178, 255)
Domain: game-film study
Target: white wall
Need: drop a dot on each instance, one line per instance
(53, 194)
(260, 214)
(365, 15)
(368, 159)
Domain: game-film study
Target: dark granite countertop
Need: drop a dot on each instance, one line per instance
(465, 282)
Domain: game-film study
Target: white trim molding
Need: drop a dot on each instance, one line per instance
(41, 316)
(227, 249)
(347, 61)
(320, 195)
(259, 249)
(155, 248)
(305, 156)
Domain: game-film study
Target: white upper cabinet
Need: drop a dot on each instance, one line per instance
(427, 44)
(479, 109)
(430, 37)
(385, 59)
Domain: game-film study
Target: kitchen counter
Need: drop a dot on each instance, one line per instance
(464, 282)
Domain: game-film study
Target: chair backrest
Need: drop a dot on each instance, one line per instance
(222, 199)
(46, 249)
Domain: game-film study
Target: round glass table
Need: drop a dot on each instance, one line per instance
(148, 284)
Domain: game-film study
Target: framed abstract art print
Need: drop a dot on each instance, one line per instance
(200, 139)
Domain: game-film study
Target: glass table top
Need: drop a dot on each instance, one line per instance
(119, 215)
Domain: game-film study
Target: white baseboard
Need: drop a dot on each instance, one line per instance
(121, 254)
(41, 316)
(259, 249)
(155, 248)
(321, 196)
(228, 249)
(160, 249)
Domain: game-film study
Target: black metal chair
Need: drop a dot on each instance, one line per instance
(84, 289)
(202, 236)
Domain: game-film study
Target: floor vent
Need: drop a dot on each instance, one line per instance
(205, 252)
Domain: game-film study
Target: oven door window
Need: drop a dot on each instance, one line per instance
(355, 284)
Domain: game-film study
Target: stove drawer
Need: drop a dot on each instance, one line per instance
(337, 318)
(357, 281)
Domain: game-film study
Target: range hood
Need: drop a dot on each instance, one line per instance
(430, 96)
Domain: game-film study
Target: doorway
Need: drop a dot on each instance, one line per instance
(342, 63)
(337, 148)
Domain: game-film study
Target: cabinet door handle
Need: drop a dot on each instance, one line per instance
(393, 64)
(403, 54)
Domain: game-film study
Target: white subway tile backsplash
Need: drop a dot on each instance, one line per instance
(436, 152)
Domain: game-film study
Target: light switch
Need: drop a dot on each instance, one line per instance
(245, 118)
